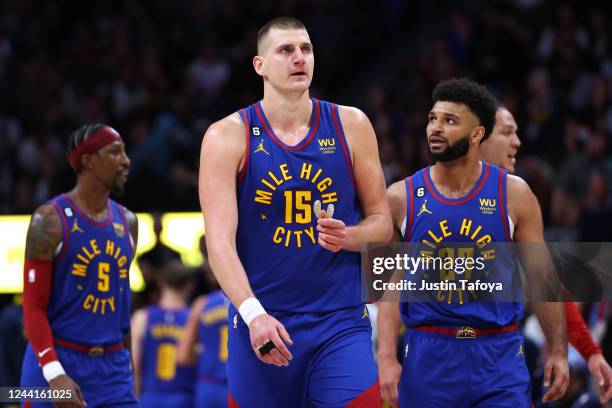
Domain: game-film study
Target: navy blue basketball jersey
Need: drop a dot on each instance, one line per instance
(279, 188)
(90, 297)
(160, 373)
(212, 335)
(480, 218)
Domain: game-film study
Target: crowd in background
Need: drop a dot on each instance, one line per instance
(160, 72)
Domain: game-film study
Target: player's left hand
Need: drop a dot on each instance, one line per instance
(557, 370)
(332, 232)
(602, 373)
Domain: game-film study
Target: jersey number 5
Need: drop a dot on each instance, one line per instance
(103, 276)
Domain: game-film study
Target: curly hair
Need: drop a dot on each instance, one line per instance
(473, 95)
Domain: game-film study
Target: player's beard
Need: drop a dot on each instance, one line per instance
(452, 152)
(118, 189)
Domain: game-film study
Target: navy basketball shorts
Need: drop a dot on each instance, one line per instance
(332, 366)
(440, 370)
(105, 381)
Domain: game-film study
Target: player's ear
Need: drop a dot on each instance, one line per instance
(258, 63)
(87, 162)
(477, 134)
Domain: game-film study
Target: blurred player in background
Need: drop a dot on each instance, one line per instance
(291, 187)
(501, 148)
(156, 331)
(205, 343)
(467, 353)
(79, 248)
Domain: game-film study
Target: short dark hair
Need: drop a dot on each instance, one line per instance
(470, 93)
(175, 275)
(80, 135)
(284, 23)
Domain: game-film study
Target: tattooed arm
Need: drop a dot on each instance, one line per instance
(43, 238)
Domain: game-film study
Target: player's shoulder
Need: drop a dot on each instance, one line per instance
(225, 137)
(44, 233)
(352, 115)
(517, 187)
(228, 127)
(396, 192)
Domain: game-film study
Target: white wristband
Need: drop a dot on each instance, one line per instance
(52, 370)
(250, 309)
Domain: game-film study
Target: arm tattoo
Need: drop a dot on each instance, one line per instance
(44, 234)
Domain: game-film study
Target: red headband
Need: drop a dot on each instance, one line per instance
(92, 144)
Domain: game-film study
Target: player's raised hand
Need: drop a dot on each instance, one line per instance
(332, 232)
(557, 370)
(69, 389)
(602, 373)
(389, 372)
(264, 329)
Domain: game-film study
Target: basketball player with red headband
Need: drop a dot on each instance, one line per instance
(76, 296)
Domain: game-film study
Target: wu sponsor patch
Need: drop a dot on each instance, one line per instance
(488, 205)
(327, 145)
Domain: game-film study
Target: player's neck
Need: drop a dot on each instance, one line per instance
(171, 299)
(90, 197)
(456, 176)
(287, 112)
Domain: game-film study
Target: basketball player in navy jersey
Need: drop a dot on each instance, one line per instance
(500, 148)
(291, 187)
(441, 366)
(204, 343)
(156, 330)
(76, 303)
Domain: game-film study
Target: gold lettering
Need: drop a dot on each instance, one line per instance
(94, 246)
(306, 169)
(122, 261)
(95, 306)
(329, 198)
(287, 238)
(111, 302)
(483, 241)
(83, 259)
(429, 244)
(87, 302)
(273, 177)
(267, 183)
(110, 247)
(285, 172)
(444, 227)
(263, 197)
(89, 254)
(277, 235)
(79, 270)
(436, 239)
(316, 176)
(466, 225)
(117, 253)
(310, 233)
(324, 184)
(476, 231)
(298, 237)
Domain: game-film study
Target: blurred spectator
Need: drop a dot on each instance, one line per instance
(150, 264)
